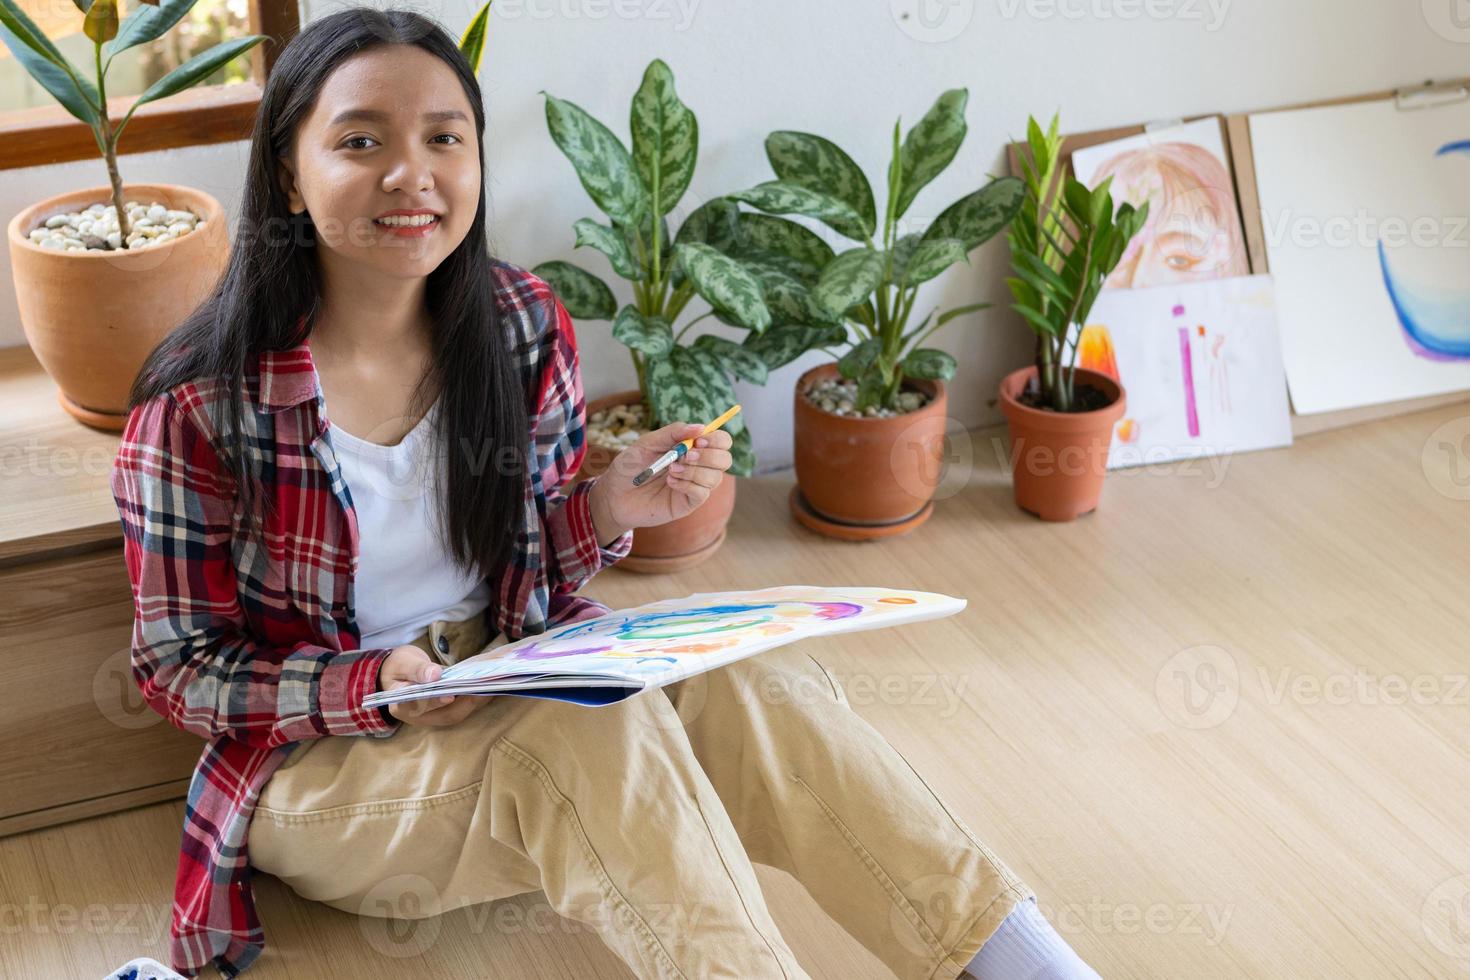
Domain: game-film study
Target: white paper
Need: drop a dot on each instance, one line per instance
(1201, 366)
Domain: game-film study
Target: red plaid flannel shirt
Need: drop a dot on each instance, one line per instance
(258, 651)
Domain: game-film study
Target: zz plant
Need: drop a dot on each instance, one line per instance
(637, 190)
(871, 287)
(1064, 244)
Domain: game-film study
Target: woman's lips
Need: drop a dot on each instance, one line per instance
(410, 231)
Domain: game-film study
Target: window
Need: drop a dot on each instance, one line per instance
(35, 130)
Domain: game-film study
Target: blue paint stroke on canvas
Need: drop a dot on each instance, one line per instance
(1435, 318)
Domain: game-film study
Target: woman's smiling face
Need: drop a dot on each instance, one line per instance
(391, 130)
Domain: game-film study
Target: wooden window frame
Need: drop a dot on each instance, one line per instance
(194, 117)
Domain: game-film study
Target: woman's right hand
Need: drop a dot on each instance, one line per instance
(410, 665)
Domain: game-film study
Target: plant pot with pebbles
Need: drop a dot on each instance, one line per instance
(103, 274)
(93, 309)
(614, 422)
(871, 473)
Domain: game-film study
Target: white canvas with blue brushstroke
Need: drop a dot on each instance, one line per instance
(1366, 210)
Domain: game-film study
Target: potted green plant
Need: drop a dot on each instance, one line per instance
(162, 246)
(1063, 244)
(677, 382)
(869, 426)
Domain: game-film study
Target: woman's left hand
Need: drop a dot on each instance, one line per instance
(677, 490)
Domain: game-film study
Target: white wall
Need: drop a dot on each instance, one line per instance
(846, 70)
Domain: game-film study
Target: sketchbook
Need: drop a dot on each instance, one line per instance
(612, 657)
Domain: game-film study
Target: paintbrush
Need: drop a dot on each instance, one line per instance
(677, 453)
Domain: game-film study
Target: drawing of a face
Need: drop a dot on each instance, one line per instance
(1193, 231)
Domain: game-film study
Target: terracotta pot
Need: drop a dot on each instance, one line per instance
(675, 545)
(1059, 459)
(92, 317)
(865, 477)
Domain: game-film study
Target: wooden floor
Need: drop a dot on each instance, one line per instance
(1221, 725)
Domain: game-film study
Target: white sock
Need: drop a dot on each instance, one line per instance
(1026, 947)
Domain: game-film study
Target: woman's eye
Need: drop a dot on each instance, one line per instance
(452, 136)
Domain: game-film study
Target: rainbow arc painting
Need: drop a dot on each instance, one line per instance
(614, 656)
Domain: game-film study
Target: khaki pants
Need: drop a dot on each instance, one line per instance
(641, 820)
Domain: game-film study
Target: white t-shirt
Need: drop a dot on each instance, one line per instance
(406, 577)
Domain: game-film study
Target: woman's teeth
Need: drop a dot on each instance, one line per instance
(408, 221)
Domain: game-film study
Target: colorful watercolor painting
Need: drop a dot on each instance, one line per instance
(646, 646)
(1193, 230)
(1188, 355)
(1366, 213)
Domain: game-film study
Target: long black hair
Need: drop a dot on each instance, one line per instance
(271, 282)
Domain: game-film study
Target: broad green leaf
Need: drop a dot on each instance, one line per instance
(931, 258)
(786, 342)
(725, 283)
(820, 165)
(768, 233)
(472, 41)
(870, 389)
(676, 390)
(45, 63)
(848, 279)
(930, 363)
(147, 23)
(665, 137)
(788, 298)
(903, 250)
(784, 197)
(744, 362)
(192, 72)
(585, 296)
(754, 258)
(975, 218)
(611, 243)
(858, 360)
(603, 164)
(704, 365)
(715, 223)
(648, 334)
(742, 456)
(931, 145)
